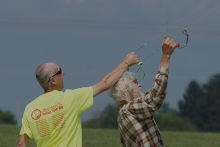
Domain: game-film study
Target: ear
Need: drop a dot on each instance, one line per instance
(53, 81)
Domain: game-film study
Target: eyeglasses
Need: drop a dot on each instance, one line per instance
(59, 72)
(135, 81)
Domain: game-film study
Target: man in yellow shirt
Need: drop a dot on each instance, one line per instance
(54, 118)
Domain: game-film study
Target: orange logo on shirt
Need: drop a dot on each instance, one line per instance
(36, 114)
(52, 109)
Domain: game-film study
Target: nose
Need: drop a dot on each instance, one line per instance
(63, 73)
(139, 85)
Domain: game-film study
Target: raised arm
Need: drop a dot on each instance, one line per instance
(110, 79)
(168, 47)
(154, 98)
(23, 141)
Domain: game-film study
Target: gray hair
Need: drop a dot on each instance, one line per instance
(43, 74)
(121, 90)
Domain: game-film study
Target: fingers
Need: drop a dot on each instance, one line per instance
(136, 60)
(131, 59)
(168, 46)
(131, 53)
(169, 42)
(172, 44)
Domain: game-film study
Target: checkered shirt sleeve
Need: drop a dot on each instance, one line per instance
(153, 99)
(135, 122)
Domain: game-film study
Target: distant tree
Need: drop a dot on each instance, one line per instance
(6, 117)
(200, 104)
(109, 115)
(168, 119)
(165, 109)
(189, 106)
(106, 118)
(92, 123)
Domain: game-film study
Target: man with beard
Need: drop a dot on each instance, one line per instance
(135, 120)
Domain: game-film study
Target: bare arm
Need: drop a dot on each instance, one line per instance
(168, 47)
(23, 141)
(110, 79)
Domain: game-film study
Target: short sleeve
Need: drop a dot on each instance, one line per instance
(82, 98)
(25, 129)
(86, 100)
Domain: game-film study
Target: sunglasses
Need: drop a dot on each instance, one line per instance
(59, 72)
(135, 81)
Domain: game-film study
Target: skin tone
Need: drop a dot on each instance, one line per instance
(136, 86)
(168, 47)
(56, 81)
(23, 141)
(109, 80)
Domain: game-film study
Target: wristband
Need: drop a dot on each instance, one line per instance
(126, 63)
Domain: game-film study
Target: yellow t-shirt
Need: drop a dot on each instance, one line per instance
(54, 119)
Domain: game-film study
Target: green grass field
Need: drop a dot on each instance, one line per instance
(110, 138)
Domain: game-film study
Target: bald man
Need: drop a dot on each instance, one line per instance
(54, 118)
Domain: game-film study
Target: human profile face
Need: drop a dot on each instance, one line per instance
(60, 83)
(58, 78)
(136, 91)
(135, 84)
(59, 72)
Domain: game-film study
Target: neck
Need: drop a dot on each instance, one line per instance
(50, 90)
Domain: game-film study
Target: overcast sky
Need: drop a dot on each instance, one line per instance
(89, 38)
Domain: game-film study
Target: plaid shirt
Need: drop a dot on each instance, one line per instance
(135, 120)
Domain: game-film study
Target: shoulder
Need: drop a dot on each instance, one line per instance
(79, 89)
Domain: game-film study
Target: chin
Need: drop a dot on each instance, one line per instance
(137, 93)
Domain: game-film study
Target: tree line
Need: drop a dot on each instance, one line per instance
(199, 110)
(6, 117)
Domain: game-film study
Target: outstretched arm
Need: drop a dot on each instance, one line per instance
(154, 98)
(110, 79)
(23, 141)
(168, 47)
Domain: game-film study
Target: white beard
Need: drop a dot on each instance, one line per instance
(137, 93)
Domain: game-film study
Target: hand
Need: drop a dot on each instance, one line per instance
(131, 59)
(168, 47)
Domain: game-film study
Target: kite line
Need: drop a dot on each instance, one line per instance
(178, 45)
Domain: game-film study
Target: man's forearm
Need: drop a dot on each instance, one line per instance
(110, 79)
(165, 61)
(23, 141)
(114, 75)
